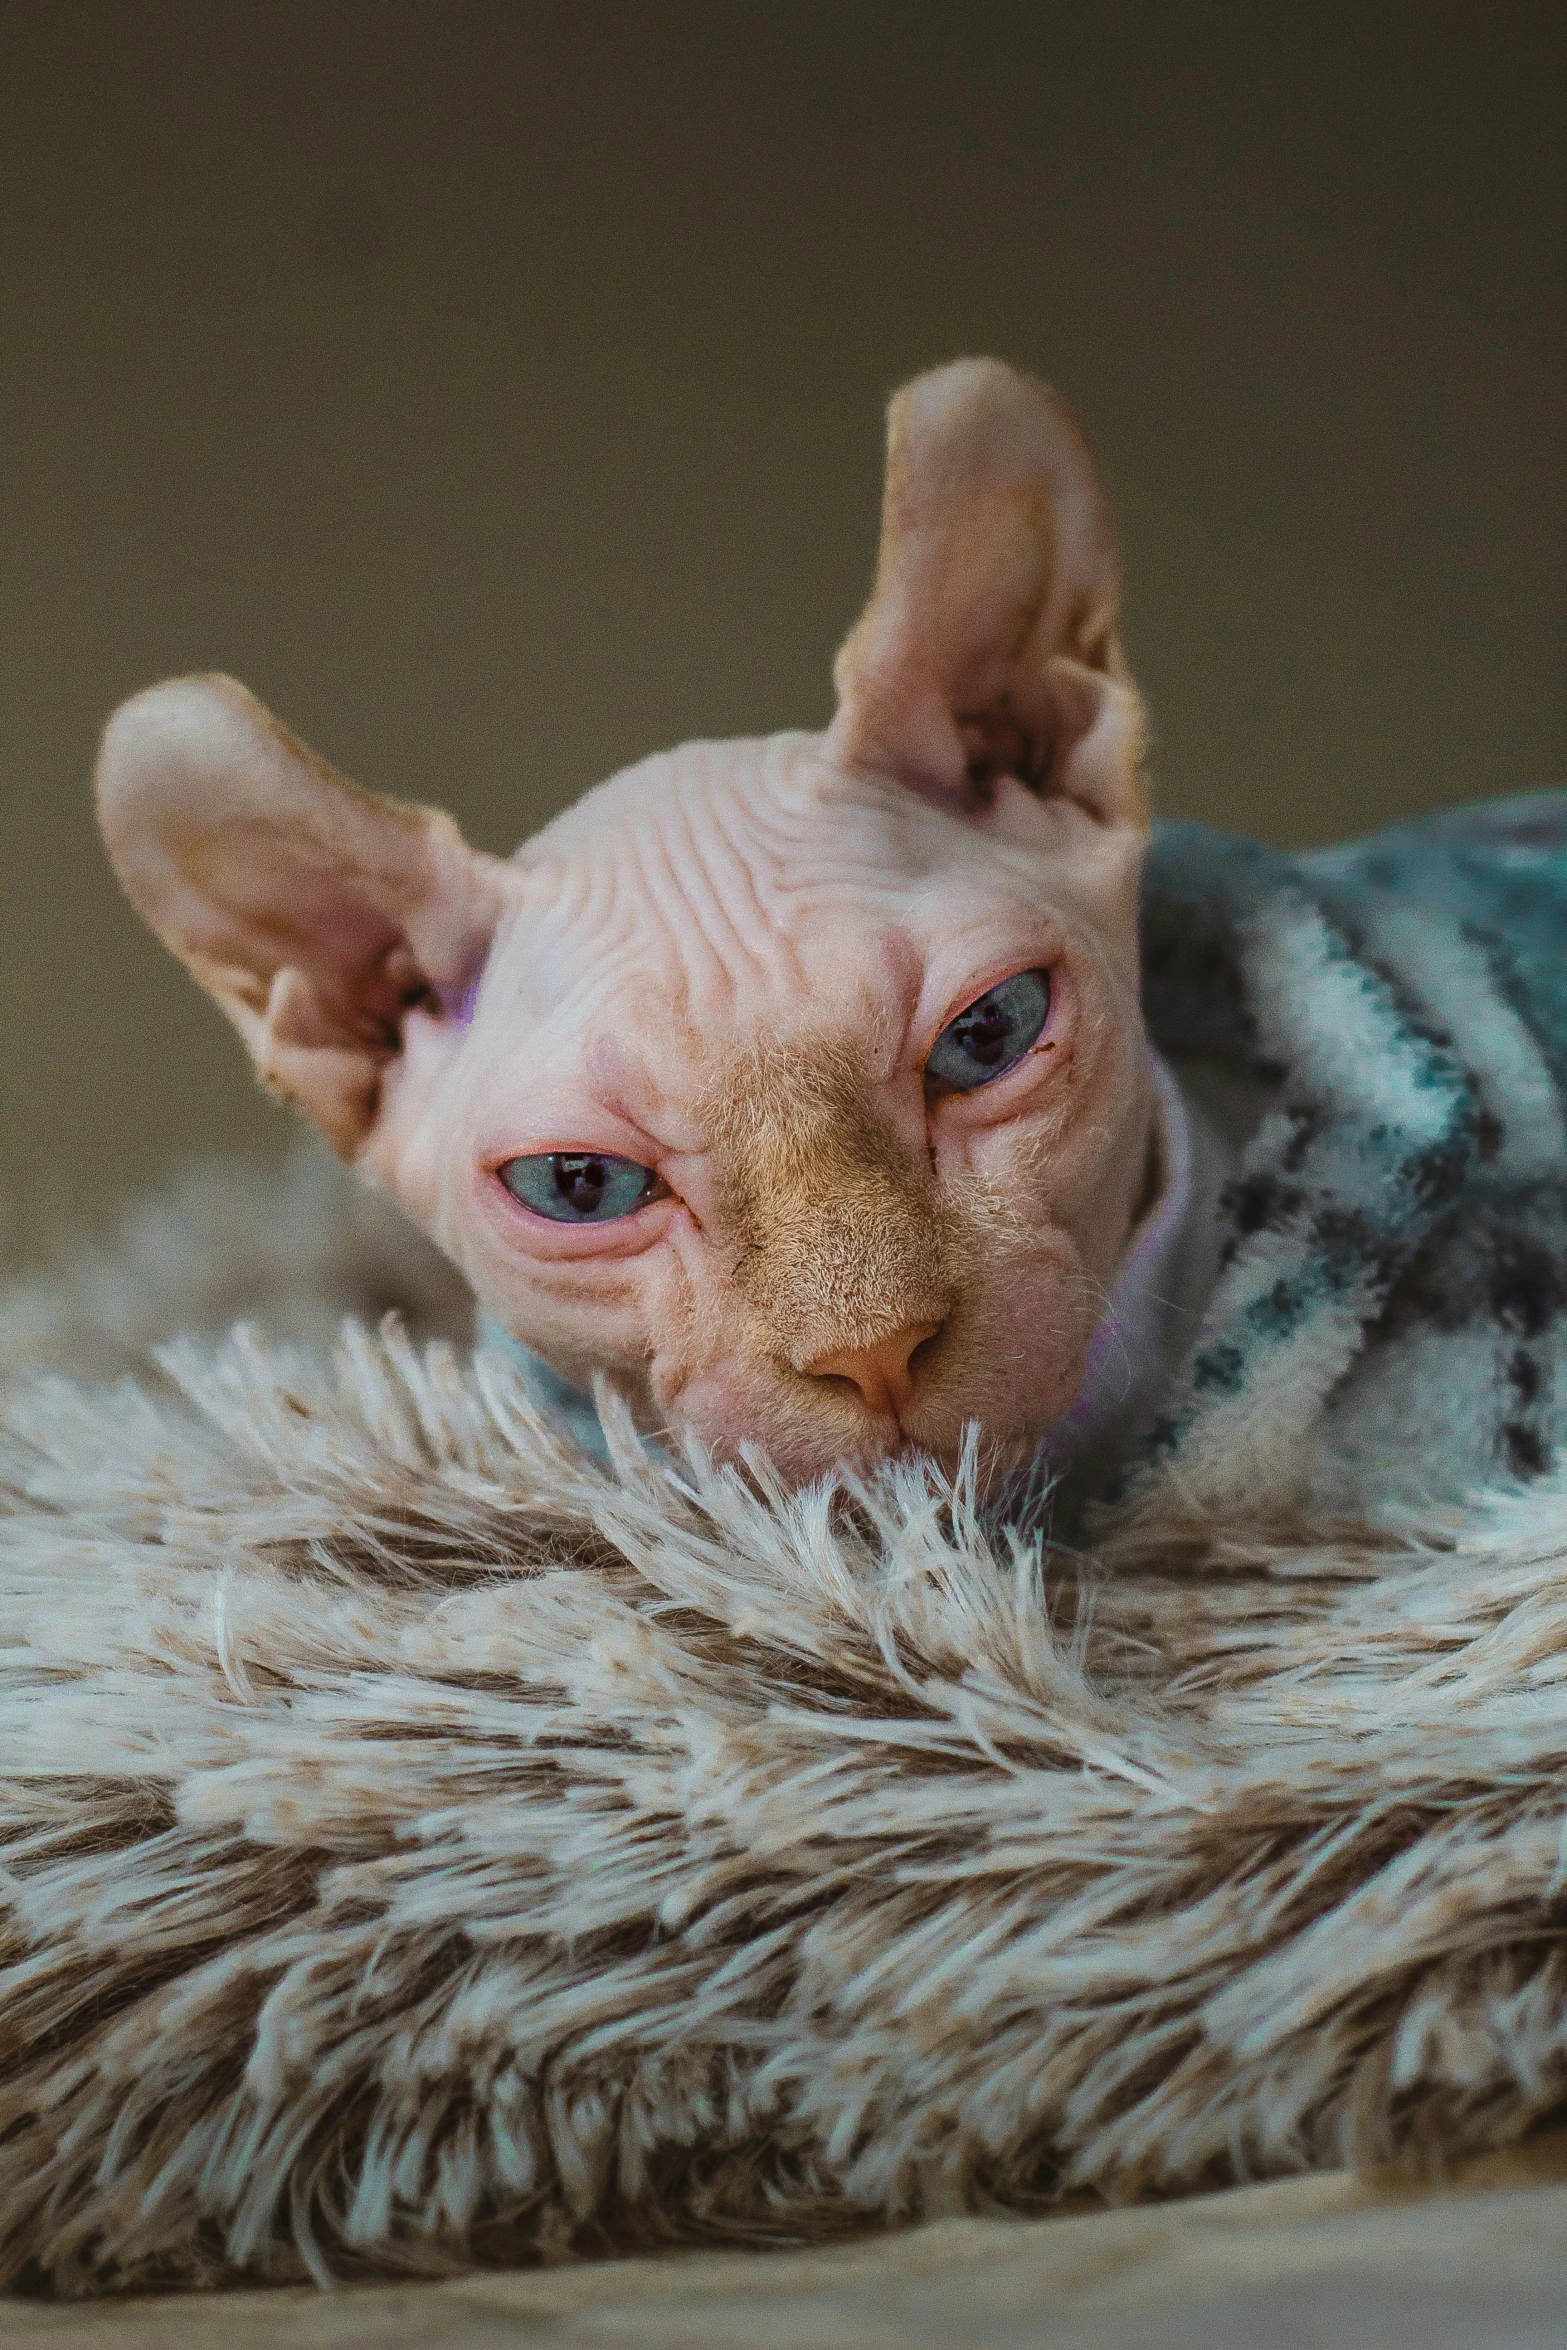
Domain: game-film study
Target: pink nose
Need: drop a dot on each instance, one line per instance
(880, 1372)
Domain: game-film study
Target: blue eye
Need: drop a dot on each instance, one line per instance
(580, 1187)
(991, 1035)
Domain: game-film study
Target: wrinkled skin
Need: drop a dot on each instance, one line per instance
(729, 965)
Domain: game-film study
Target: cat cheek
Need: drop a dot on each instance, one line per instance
(710, 1400)
(1000, 1177)
(728, 1412)
(704, 1373)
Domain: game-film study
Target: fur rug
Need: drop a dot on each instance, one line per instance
(422, 1846)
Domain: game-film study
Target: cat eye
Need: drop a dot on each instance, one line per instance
(990, 1035)
(580, 1187)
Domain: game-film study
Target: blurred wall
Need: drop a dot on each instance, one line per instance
(497, 388)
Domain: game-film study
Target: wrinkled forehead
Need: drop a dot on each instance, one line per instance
(725, 884)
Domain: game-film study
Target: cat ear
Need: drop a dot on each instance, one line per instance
(314, 912)
(991, 643)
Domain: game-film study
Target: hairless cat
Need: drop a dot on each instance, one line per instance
(802, 1084)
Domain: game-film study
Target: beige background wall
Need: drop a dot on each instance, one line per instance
(497, 389)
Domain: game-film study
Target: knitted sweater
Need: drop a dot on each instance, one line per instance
(1385, 1026)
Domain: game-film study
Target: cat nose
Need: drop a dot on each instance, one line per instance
(880, 1372)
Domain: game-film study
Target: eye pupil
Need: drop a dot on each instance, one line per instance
(579, 1187)
(990, 1035)
(579, 1181)
(981, 1032)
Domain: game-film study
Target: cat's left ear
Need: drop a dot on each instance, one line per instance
(991, 643)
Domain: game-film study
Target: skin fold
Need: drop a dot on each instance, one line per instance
(729, 965)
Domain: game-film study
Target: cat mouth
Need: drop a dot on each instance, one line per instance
(944, 1440)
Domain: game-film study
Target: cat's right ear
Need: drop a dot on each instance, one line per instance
(991, 643)
(316, 913)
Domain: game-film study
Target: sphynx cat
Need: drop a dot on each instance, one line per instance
(799, 1084)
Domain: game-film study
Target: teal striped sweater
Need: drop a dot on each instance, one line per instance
(1389, 1323)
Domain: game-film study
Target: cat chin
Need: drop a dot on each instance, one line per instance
(800, 1458)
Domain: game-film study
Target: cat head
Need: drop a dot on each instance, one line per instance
(800, 1084)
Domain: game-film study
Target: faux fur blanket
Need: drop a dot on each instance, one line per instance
(422, 1846)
